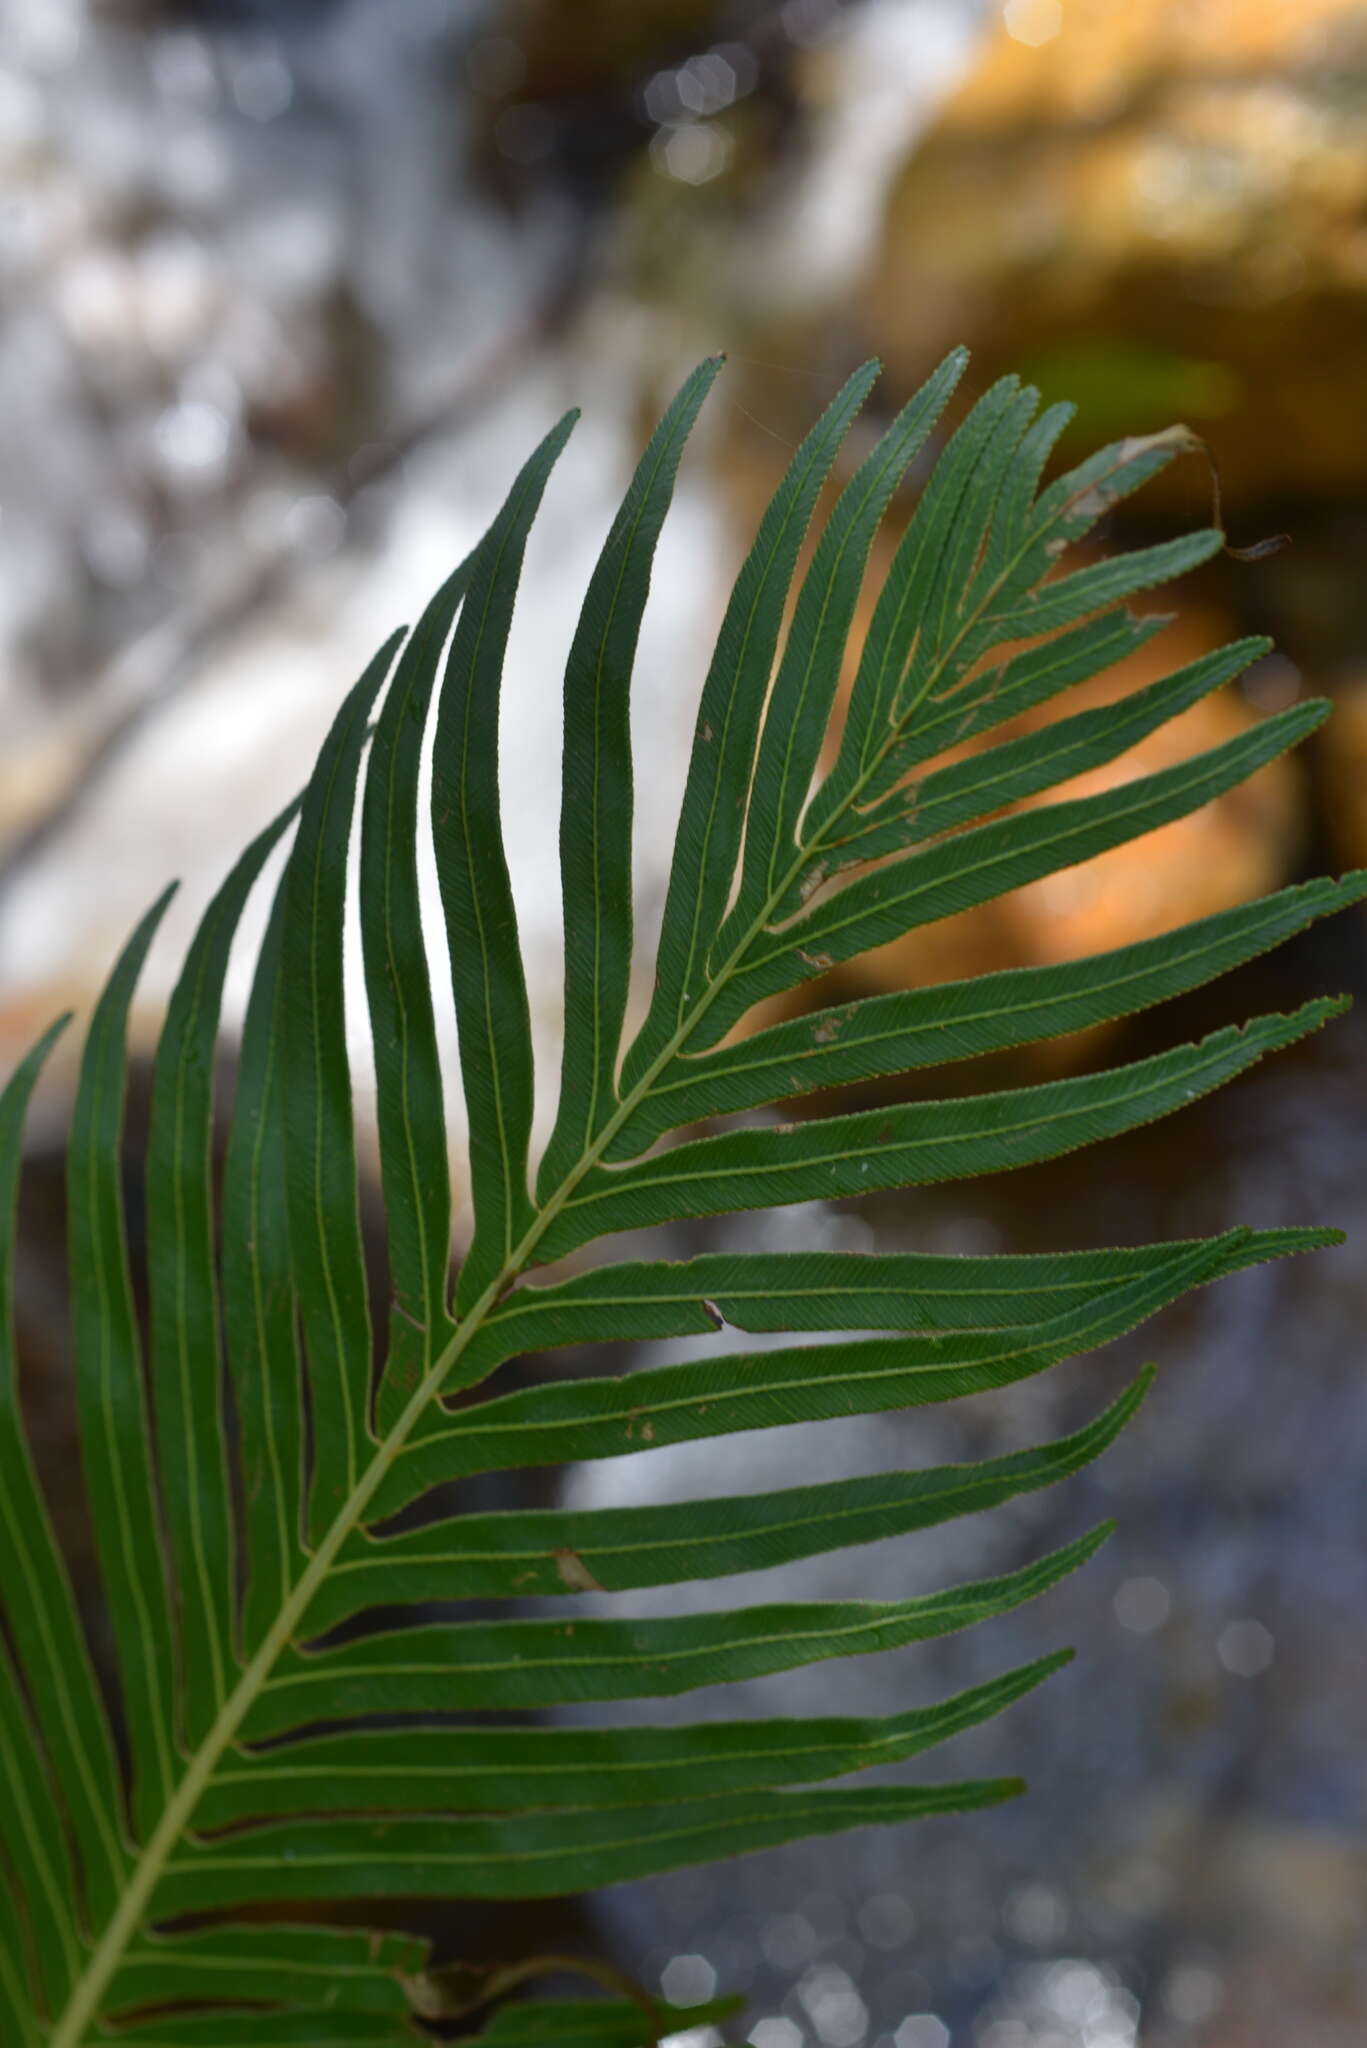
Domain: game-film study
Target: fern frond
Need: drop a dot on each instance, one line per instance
(264, 1604)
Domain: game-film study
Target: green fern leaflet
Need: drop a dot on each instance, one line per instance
(267, 1757)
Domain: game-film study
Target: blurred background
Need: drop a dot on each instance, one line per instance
(287, 289)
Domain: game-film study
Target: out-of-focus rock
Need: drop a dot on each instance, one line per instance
(1295, 1894)
(643, 101)
(1276, 2001)
(1231, 850)
(36, 762)
(575, 49)
(1342, 759)
(1295, 1886)
(1157, 211)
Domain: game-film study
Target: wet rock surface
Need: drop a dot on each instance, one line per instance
(1154, 210)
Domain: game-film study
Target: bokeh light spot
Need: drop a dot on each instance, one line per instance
(1143, 1605)
(1245, 1648)
(1033, 21)
(688, 1980)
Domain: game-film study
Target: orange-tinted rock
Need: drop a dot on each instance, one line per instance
(1156, 210)
(1341, 754)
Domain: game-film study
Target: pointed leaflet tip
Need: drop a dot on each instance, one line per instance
(184, 1358)
(30, 1062)
(111, 1401)
(596, 789)
(40, 1622)
(319, 1147)
(410, 1102)
(493, 1017)
(798, 711)
(716, 794)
